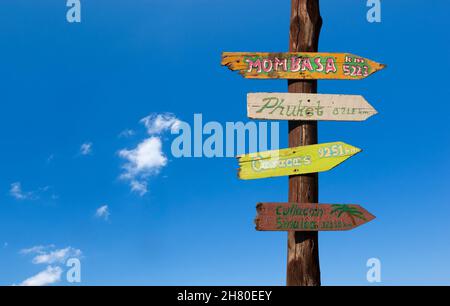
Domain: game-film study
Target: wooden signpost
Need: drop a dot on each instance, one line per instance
(304, 158)
(300, 65)
(310, 217)
(292, 161)
(298, 106)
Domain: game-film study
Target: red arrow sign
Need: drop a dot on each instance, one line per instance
(310, 217)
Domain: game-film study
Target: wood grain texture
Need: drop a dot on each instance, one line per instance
(292, 161)
(298, 106)
(300, 65)
(310, 217)
(303, 268)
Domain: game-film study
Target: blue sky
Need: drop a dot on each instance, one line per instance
(64, 85)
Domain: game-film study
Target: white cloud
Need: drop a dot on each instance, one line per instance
(39, 249)
(17, 192)
(139, 187)
(86, 148)
(50, 255)
(49, 276)
(57, 256)
(102, 212)
(159, 123)
(53, 258)
(145, 160)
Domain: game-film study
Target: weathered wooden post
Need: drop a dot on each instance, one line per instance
(303, 267)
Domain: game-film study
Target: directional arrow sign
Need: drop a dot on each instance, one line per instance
(310, 217)
(298, 106)
(307, 65)
(292, 161)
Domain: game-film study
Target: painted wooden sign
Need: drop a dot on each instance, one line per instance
(298, 106)
(310, 217)
(306, 65)
(292, 161)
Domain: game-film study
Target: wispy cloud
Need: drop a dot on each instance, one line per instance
(49, 276)
(50, 158)
(127, 133)
(38, 249)
(102, 212)
(159, 123)
(51, 255)
(86, 148)
(147, 159)
(57, 256)
(16, 192)
(140, 187)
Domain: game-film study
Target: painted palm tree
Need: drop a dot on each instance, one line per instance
(351, 211)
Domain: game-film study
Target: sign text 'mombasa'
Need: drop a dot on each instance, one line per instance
(300, 65)
(291, 64)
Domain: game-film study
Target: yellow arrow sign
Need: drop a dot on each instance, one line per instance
(292, 161)
(305, 65)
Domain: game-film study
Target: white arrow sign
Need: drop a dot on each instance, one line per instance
(298, 106)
